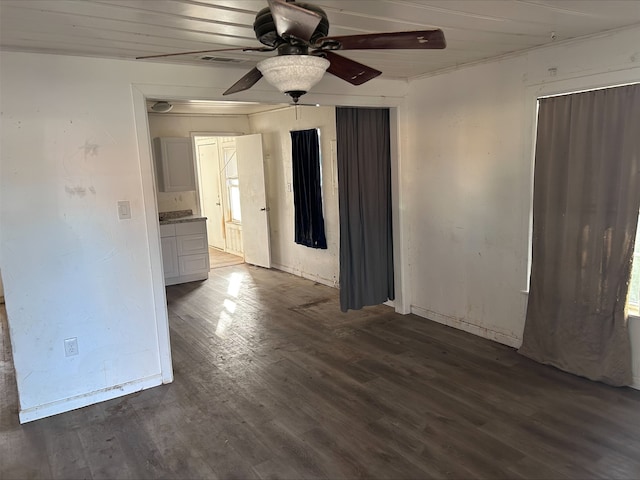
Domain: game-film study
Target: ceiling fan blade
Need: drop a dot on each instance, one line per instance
(246, 82)
(243, 49)
(384, 41)
(292, 20)
(349, 70)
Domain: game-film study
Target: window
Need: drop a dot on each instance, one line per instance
(233, 184)
(633, 299)
(234, 199)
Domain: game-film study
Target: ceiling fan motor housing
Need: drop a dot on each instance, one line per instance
(265, 28)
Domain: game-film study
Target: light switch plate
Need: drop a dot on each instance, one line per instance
(124, 210)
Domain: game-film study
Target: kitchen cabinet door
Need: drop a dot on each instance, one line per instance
(174, 164)
(170, 257)
(193, 264)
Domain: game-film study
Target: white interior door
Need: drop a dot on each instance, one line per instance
(253, 201)
(210, 192)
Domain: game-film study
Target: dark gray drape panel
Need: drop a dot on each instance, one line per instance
(585, 211)
(307, 189)
(364, 178)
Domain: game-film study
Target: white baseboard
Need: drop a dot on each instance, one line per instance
(460, 324)
(483, 332)
(308, 276)
(79, 401)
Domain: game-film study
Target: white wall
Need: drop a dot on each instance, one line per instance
(71, 268)
(169, 125)
(74, 141)
(319, 265)
(468, 176)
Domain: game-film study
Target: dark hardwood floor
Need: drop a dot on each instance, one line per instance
(273, 381)
(218, 258)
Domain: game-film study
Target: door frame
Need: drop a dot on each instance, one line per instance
(142, 91)
(195, 156)
(223, 194)
(200, 187)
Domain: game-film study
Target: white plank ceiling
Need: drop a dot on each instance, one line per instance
(474, 29)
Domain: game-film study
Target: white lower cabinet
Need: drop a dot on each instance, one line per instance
(193, 264)
(185, 252)
(169, 257)
(190, 244)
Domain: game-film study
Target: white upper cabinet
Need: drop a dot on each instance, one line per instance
(174, 164)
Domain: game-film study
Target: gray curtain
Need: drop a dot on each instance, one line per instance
(364, 178)
(585, 212)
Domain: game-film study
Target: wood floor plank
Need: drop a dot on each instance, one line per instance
(273, 381)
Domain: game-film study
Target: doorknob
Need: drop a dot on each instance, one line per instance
(265, 209)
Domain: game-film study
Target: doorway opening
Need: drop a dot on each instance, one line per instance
(231, 192)
(219, 198)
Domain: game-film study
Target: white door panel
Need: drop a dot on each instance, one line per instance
(253, 201)
(210, 191)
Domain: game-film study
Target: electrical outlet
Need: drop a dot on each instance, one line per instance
(70, 347)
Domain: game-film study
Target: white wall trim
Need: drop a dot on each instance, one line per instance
(272, 96)
(579, 83)
(463, 325)
(544, 88)
(398, 122)
(517, 53)
(153, 233)
(560, 86)
(488, 333)
(308, 276)
(73, 403)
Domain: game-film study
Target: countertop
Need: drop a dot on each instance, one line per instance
(179, 216)
(190, 218)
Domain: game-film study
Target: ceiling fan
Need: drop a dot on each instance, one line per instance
(298, 31)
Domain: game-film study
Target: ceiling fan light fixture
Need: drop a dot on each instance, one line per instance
(161, 107)
(294, 75)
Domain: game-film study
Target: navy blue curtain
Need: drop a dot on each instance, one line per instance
(307, 191)
(364, 185)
